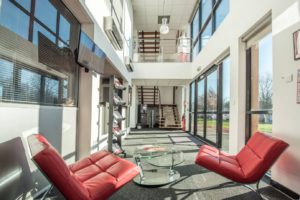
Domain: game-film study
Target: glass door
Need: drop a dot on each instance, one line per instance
(211, 106)
(200, 107)
(212, 92)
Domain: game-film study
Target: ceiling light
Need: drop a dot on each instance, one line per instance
(164, 28)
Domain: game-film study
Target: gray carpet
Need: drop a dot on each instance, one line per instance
(193, 177)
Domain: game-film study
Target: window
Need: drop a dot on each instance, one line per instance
(38, 29)
(6, 80)
(26, 4)
(206, 7)
(206, 20)
(18, 83)
(259, 86)
(195, 31)
(14, 19)
(64, 29)
(29, 86)
(195, 26)
(200, 107)
(15, 16)
(225, 71)
(211, 106)
(205, 36)
(51, 91)
(46, 74)
(46, 13)
(221, 12)
(213, 103)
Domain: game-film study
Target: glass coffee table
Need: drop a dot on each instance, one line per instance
(157, 164)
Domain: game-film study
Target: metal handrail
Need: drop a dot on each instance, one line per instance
(151, 38)
(162, 50)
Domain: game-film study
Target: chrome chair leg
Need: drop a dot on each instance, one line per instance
(256, 190)
(47, 192)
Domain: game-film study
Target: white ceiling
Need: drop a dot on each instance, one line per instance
(160, 82)
(146, 12)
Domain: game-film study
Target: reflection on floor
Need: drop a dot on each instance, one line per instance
(193, 177)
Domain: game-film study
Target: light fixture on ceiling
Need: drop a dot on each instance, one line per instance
(164, 28)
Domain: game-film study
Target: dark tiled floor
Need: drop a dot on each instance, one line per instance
(193, 177)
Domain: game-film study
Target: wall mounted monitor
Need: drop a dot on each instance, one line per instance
(90, 55)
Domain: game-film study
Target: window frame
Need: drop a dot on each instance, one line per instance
(211, 16)
(17, 69)
(61, 10)
(249, 110)
(33, 19)
(219, 111)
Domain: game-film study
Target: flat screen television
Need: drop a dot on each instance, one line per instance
(90, 55)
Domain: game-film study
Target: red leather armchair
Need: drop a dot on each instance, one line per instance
(93, 178)
(249, 165)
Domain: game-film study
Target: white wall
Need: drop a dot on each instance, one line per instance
(134, 108)
(285, 20)
(166, 94)
(88, 116)
(97, 10)
(179, 99)
(57, 124)
(89, 83)
(162, 71)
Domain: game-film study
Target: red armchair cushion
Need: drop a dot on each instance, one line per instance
(95, 177)
(249, 165)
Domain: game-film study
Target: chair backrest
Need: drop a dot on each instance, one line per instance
(259, 154)
(55, 169)
(15, 176)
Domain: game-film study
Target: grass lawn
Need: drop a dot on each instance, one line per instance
(211, 123)
(266, 128)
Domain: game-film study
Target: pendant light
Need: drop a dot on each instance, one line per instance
(164, 28)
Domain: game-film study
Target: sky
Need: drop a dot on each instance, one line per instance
(265, 57)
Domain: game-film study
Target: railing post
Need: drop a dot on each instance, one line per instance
(142, 95)
(154, 96)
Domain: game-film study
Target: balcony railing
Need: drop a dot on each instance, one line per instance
(162, 50)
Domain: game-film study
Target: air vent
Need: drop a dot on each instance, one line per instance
(113, 33)
(128, 64)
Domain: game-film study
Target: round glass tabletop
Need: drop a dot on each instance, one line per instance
(159, 155)
(153, 161)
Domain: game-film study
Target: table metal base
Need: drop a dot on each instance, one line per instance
(157, 177)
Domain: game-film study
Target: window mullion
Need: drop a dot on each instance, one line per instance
(219, 106)
(31, 22)
(57, 26)
(205, 107)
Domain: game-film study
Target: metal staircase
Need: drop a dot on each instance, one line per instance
(149, 45)
(149, 95)
(168, 115)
